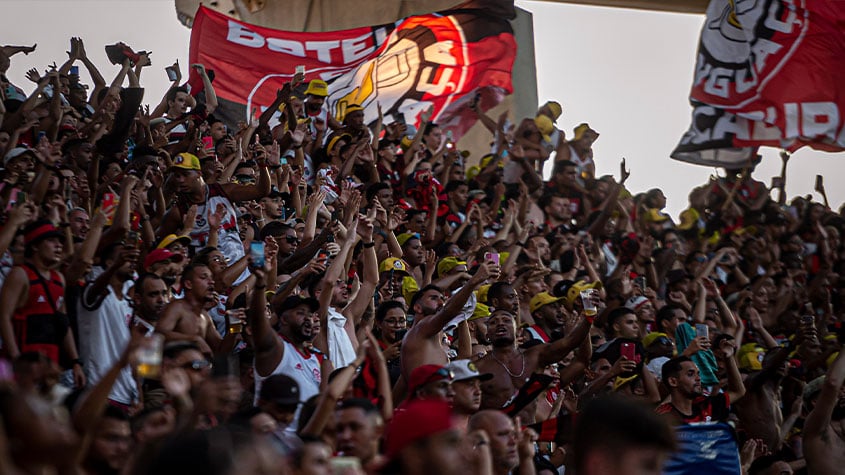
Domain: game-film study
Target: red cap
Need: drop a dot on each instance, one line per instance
(428, 373)
(415, 421)
(39, 231)
(159, 255)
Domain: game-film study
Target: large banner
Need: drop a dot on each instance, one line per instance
(768, 72)
(440, 60)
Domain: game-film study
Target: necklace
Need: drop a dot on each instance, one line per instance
(521, 372)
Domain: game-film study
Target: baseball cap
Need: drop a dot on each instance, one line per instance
(652, 337)
(543, 298)
(295, 301)
(280, 389)
(405, 237)
(415, 421)
(583, 129)
(17, 152)
(171, 238)
(750, 357)
(426, 374)
(160, 255)
(317, 88)
(394, 264)
(465, 369)
(186, 161)
(572, 290)
(655, 216)
(39, 231)
(554, 108)
(447, 264)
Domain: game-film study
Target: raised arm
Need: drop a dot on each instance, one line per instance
(818, 421)
(429, 327)
(210, 95)
(268, 346)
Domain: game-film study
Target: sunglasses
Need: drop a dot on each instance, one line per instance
(245, 178)
(197, 365)
(440, 374)
(292, 239)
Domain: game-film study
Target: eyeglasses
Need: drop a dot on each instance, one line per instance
(197, 365)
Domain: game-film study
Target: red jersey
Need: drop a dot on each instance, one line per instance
(40, 325)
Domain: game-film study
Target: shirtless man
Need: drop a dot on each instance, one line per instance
(824, 429)
(510, 365)
(759, 411)
(423, 343)
(186, 319)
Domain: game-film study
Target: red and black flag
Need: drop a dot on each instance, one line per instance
(440, 60)
(768, 72)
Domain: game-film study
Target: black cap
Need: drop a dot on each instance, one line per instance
(280, 389)
(676, 275)
(294, 301)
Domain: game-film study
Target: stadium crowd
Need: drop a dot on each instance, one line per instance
(311, 294)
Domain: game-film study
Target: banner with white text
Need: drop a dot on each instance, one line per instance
(768, 73)
(440, 60)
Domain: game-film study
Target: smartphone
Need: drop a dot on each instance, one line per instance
(74, 70)
(808, 320)
(323, 257)
(133, 239)
(819, 183)
(702, 330)
(777, 182)
(640, 282)
(21, 197)
(300, 69)
(400, 334)
(256, 251)
(492, 257)
(342, 465)
(171, 73)
(627, 350)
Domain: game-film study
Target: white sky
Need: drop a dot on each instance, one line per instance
(625, 72)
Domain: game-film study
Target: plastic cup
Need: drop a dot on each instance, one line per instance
(149, 356)
(590, 309)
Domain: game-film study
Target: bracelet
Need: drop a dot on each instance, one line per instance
(370, 244)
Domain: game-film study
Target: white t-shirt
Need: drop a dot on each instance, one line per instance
(103, 335)
(341, 351)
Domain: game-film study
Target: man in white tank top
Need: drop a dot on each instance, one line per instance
(288, 354)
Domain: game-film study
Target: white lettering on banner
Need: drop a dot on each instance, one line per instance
(323, 49)
(352, 49)
(806, 119)
(356, 48)
(244, 36)
(784, 26)
(291, 47)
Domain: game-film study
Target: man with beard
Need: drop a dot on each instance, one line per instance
(32, 314)
(510, 365)
(104, 315)
(466, 384)
(549, 317)
(423, 343)
(291, 354)
(187, 320)
(687, 403)
(273, 206)
(150, 295)
(824, 428)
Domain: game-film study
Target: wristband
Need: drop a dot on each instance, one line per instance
(370, 244)
(590, 318)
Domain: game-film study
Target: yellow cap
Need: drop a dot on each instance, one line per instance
(481, 311)
(653, 215)
(649, 339)
(555, 109)
(543, 298)
(317, 88)
(575, 290)
(186, 161)
(750, 357)
(405, 237)
(409, 287)
(485, 160)
(171, 238)
(584, 129)
(481, 293)
(689, 218)
(447, 264)
(393, 263)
